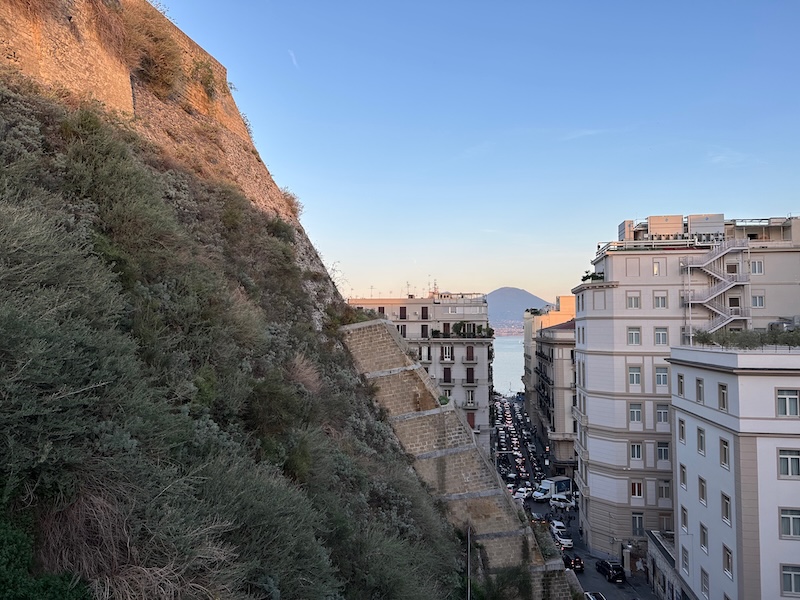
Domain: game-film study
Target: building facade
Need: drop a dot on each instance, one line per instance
(554, 377)
(536, 319)
(664, 279)
(449, 335)
(737, 471)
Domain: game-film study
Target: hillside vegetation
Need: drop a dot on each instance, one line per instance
(173, 425)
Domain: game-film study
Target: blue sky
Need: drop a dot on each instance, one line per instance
(489, 144)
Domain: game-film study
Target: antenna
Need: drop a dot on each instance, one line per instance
(370, 291)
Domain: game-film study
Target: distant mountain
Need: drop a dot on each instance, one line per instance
(507, 306)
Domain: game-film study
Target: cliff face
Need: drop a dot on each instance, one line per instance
(88, 50)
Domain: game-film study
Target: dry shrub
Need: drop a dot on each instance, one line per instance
(89, 537)
(109, 25)
(302, 371)
(292, 202)
(150, 50)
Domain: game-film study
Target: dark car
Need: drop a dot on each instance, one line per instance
(573, 562)
(612, 571)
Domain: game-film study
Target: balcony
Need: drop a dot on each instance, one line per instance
(544, 356)
(470, 382)
(579, 416)
(469, 361)
(446, 382)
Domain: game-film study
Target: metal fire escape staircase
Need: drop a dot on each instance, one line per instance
(720, 283)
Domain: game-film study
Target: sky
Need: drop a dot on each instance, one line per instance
(473, 145)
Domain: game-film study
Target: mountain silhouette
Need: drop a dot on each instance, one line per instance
(508, 304)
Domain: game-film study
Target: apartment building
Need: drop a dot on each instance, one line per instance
(536, 319)
(662, 280)
(554, 377)
(737, 471)
(449, 335)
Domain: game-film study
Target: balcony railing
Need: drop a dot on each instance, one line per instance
(446, 382)
(469, 361)
(474, 382)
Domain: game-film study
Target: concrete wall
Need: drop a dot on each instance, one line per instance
(447, 459)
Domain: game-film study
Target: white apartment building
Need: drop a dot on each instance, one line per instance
(554, 377)
(663, 279)
(737, 471)
(449, 335)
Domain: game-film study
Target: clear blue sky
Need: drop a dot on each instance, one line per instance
(489, 144)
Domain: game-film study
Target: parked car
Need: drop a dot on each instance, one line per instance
(558, 526)
(613, 571)
(562, 501)
(593, 596)
(563, 539)
(573, 562)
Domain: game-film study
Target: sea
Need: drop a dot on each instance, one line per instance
(508, 364)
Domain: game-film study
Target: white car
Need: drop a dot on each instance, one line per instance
(562, 539)
(562, 501)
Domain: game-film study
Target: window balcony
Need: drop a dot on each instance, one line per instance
(470, 382)
(446, 382)
(469, 361)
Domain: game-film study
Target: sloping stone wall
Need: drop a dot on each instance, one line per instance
(447, 459)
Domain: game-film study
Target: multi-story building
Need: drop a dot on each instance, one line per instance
(554, 377)
(450, 336)
(536, 319)
(737, 471)
(662, 280)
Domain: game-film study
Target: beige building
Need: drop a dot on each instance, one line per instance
(737, 471)
(450, 336)
(663, 279)
(554, 377)
(536, 319)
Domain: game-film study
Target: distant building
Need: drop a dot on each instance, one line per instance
(450, 335)
(554, 377)
(536, 319)
(664, 279)
(737, 471)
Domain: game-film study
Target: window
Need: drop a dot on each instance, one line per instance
(470, 375)
(661, 336)
(637, 524)
(722, 397)
(446, 353)
(699, 391)
(790, 579)
(682, 431)
(701, 440)
(680, 385)
(684, 519)
(659, 299)
(662, 376)
(704, 538)
(447, 375)
(726, 508)
(788, 404)
(402, 330)
(757, 267)
(663, 450)
(636, 489)
(470, 398)
(635, 413)
(682, 472)
(685, 559)
(403, 313)
(727, 561)
(702, 489)
(381, 310)
(633, 300)
(424, 314)
(664, 489)
(636, 452)
(704, 583)
(789, 463)
(732, 268)
(662, 413)
(724, 454)
(634, 375)
(757, 300)
(424, 331)
(634, 336)
(790, 523)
